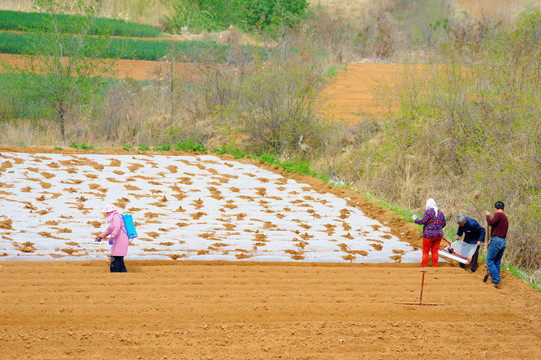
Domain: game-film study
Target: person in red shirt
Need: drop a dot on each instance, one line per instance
(498, 234)
(434, 222)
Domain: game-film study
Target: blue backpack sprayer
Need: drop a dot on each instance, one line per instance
(130, 227)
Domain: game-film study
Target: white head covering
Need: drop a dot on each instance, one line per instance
(431, 204)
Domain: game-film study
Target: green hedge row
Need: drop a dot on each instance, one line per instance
(31, 22)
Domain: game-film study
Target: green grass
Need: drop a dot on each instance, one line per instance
(295, 167)
(522, 275)
(155, 50)
(31, 22)
(165, 147)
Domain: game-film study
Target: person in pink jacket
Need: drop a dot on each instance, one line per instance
(119, 238)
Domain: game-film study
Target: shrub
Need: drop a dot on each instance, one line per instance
(83, 146)
(237, 153)
(189, 145)
(217, 15)
(187, 14)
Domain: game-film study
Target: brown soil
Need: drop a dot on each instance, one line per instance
(228, 310)
(132, 69)
(201, 310)
(353, 94)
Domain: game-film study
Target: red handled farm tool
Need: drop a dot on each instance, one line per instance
(420, 296)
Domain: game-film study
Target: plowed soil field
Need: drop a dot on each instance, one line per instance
(207, 310)
(71, 307)
(133, 69)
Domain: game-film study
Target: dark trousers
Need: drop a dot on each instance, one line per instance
(117, 264)
(473, 262)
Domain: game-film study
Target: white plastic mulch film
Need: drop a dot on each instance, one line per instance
(184, 207)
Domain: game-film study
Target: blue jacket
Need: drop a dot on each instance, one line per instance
(472, 230)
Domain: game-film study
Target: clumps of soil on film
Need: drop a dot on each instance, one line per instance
(6, 224)
(27, 247)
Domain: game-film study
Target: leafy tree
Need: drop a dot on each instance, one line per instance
(69, 63)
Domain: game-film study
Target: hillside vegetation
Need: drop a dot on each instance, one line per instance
(465, 131)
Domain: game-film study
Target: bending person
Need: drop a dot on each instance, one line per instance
(473, 234)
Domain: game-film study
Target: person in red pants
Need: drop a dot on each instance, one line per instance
(434, 222)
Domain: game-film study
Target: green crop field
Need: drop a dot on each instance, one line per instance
(16, 43)
(23, 21)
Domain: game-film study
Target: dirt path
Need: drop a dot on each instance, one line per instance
(172, 310)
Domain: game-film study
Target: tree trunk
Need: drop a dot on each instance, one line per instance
(61, 114)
